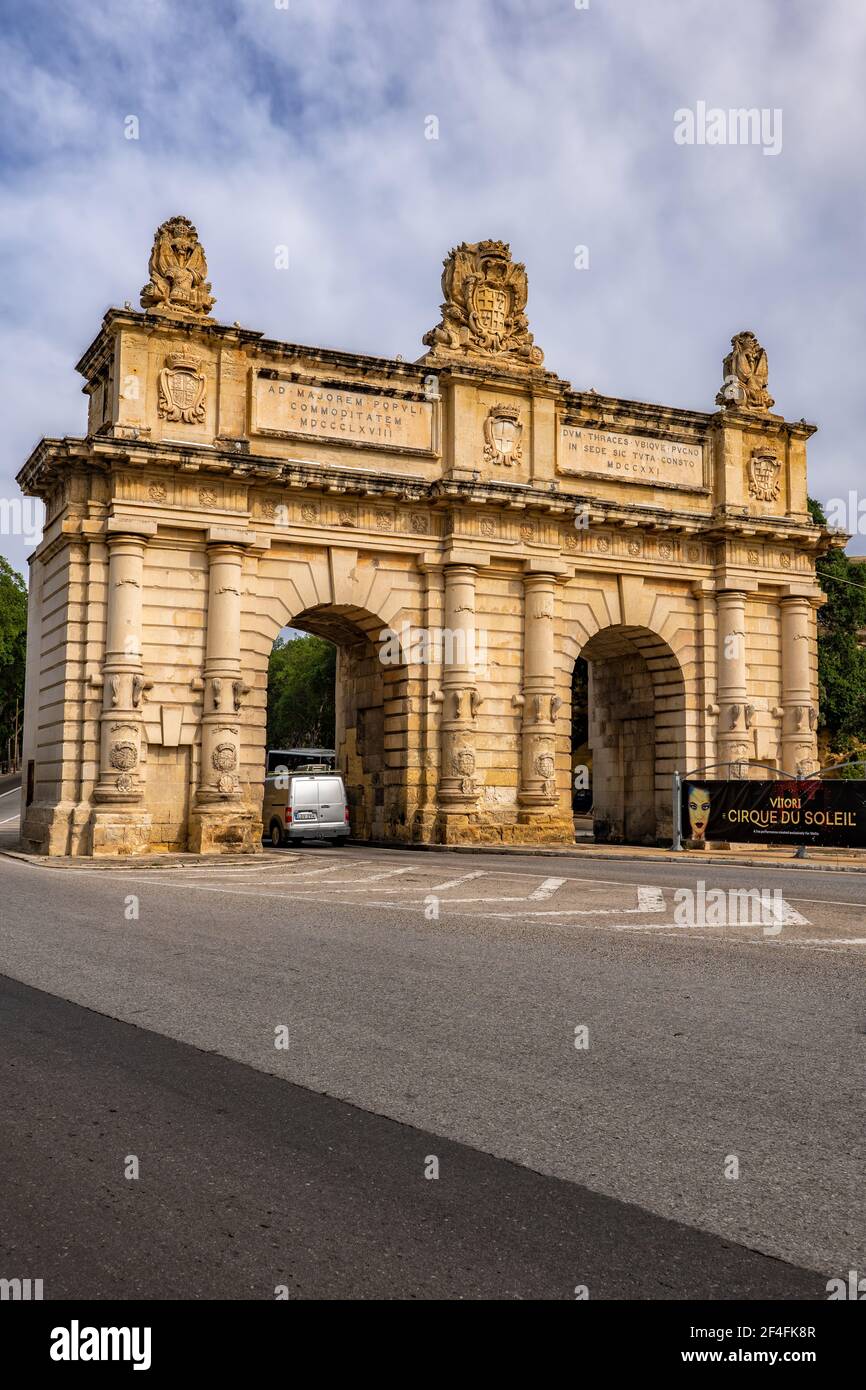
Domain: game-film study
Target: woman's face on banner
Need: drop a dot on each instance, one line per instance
(699, 811)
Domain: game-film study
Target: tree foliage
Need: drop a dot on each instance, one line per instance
(841, 657)
(13, 647)
(301, 694)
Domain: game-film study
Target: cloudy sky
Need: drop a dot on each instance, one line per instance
(303, 123)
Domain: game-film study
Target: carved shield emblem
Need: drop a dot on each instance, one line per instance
(490, 308)
(764, 470)
(224, 757)
(182, 390)
(464, 762)
(123, 756)
(502, 435)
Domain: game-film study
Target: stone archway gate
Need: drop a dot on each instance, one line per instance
(472, 503)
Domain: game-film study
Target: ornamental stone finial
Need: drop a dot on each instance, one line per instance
(178, 284)
(745, 371)
(485, 296)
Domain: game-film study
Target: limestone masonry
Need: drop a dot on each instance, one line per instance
(229, 485)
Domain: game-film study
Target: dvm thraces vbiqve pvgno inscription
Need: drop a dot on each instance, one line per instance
(634, 456)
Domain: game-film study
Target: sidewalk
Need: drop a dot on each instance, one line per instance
(752, 856)
(771, 857)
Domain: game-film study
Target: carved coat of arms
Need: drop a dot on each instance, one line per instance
(463, 766)
(764, 471)
(502, 435)
(182, 388)
(178, 271)
(545, 766)
(224, 757)
(123, 756)
(485, 296)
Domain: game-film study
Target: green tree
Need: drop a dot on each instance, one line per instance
(301, 694)
(841, 657)
(13, 648)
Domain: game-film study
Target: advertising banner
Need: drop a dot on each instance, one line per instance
(809, 812)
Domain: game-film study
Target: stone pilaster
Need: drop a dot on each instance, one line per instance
(458, 784)
(119, 824)
(706, 715)
(429, 680)
(220, 821)
(733, 728)
(800, 714)
(538, 796)
(537, 792)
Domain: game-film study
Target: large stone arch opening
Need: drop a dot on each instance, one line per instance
(371, 687)
(635, 731)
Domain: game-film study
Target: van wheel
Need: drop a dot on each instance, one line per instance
(276, 834)
(339, 840)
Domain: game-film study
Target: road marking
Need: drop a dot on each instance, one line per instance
(452, 902)
(650, 899)
(547, 889)
(828, 902)
(8, 819)
(454, 882)
(827, 941)
(239, 871)
(389, 873)
(786, 915)
(658, 926)
(307, 873)
(654, 903)
(570, 912)
(16, 791)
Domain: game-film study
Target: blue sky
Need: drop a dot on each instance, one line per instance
(305, 126)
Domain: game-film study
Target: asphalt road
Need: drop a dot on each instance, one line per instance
(247, 1185)
(705, 1044)
(10, 801)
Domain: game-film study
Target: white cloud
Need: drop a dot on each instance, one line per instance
(306, 127)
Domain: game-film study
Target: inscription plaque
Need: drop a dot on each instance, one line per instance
(341, 415)
(640, 458)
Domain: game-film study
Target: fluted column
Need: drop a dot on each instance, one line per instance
(800, 716)
(123, 681)
(733, 735)
(458, 787)
(223, 689)
(539, 700)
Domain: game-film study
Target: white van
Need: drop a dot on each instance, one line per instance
(305, 806)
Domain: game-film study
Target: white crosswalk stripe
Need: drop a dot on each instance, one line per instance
(546, 889)
(455, 882)
(389, 873)
(650, 899)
